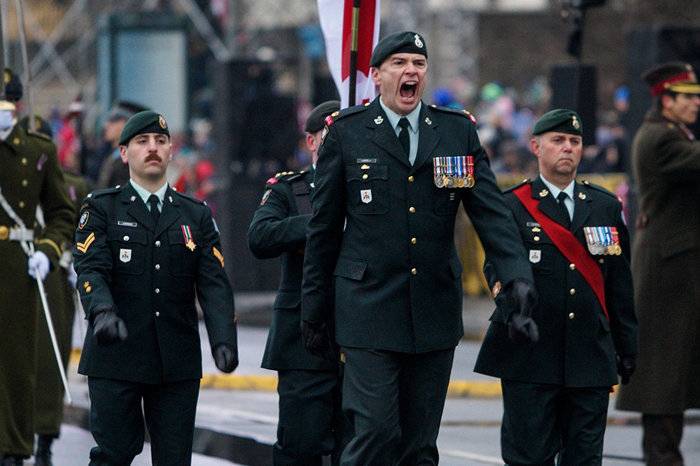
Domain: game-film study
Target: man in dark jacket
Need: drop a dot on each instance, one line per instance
(666, 263)
(308, 385)
(381, 260)
(142, 252)
(556, 387)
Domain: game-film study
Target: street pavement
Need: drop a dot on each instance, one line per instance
(240, 425)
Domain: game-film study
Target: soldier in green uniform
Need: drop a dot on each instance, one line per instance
(143, 252)
(381, 260)
(666, 263)
(556, 387)
(29, 176)
(308, 385)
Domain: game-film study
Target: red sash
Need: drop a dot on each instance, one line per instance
(566, 243)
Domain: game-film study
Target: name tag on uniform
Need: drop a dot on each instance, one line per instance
(123, 223)
(535, 255)
(125, 255)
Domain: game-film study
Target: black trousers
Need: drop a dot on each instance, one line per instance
(117, 413)
(394, 402)
(310, 420)
(541, 421)
(662, 439)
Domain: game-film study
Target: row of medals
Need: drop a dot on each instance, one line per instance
(454, 172)
(453, 181)
(597, 246)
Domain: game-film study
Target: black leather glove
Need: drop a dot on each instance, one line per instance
(521, 297)
(225, 357)
(108, 328)
(317, 339)
(625, 367)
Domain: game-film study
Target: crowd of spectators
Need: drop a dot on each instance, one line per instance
(504, 118)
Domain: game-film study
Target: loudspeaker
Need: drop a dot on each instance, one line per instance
(575, 87)
(650, 46)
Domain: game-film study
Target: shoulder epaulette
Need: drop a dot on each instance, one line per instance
(455, 111)
(335, 116)
(190, 198)
(514, 187)
(284, 176)
(101, 192)
(600, 188)
(39, 135)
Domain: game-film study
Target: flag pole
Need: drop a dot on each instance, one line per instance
(353, 52)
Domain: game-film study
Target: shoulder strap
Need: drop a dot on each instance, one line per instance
(566, 243)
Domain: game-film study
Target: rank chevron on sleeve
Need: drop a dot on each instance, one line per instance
(83, 247)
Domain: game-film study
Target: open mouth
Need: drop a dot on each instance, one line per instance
(408, 89)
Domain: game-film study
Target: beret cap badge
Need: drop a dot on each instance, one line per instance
(161, 122)
(418, 42)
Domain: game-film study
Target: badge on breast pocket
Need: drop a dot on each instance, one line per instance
(125, 255)
(535, 255)
(366, 196)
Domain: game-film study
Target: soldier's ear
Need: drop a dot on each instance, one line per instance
(122, 154)
(535, 146)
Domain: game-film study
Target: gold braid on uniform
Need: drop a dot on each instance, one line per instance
(51, 243)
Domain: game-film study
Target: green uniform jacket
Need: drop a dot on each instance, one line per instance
(666, 270)
(578, 344)
(29, 176)
(149, 276)
(393, 257)
(278, 229)
(61, 298)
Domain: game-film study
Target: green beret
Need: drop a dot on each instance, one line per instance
(561, 120)
(399, 42)
(317, 118)
(143, 122)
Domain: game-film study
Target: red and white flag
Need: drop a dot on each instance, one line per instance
(336, 23)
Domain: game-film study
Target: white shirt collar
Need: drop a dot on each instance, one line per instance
(569, 190)
(144, 194)
(395, 117)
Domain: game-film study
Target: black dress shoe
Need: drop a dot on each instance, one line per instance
(42, 457)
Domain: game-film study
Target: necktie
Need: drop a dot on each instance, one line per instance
(153, 203)
(403, 136)
(564, 212)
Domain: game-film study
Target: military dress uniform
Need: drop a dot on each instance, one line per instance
(666, 270)
(29, 176)
(62, 299)
(308, 385)
(148, 271)
(574, 361)
(381, 242)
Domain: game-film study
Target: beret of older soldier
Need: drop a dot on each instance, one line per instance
(143, 122)
(317, 118)
(399, 42)
(560, 120)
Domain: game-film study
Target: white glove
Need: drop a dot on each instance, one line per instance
(72, 276)
(38, 265)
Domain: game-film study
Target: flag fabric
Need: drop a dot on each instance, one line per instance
(336, 23)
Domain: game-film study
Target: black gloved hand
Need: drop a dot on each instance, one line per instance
(521, 297)
(625, 367)
(317, 339)
(108, 328)
(225, 357)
